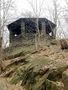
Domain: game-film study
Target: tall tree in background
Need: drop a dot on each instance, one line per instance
(37, 13)
(5, 7)
(66, 2)
(0, 13)
(56, 15)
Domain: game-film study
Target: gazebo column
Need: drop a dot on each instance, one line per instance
(23, 32)
(43, 29)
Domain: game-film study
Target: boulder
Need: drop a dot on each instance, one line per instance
(65, 79)
(64, 44)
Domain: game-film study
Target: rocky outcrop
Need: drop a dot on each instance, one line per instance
(51, 85)
(65, 79)
(64, 44)
(40, 70)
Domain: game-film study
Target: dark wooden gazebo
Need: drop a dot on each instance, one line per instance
(29, 26)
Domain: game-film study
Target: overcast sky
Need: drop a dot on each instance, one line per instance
(24, 6)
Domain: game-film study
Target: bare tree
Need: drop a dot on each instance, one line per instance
(66, 2)
(5, 7)
(37, 13)
(56, 15)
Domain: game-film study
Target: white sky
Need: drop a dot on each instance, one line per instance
(23, 5)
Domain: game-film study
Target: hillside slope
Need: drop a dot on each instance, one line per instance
(36, 69)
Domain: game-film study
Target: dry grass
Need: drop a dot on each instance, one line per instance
(49, 55)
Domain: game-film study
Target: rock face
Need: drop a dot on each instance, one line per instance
(42, 70)
(64, 44)
(51, 85)
(5, 85)
(65, 79)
